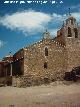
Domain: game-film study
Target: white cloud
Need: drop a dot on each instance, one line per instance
(1, 43)
(57, 18)
(26, 21)
(53, 31)
(32, 22)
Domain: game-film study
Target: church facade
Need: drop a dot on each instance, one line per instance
(45, 61)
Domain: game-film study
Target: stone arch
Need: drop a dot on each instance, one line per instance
(76, 32)
(72, 21)
(69, 32)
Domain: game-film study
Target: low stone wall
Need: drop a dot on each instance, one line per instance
(16, 81)
(6, 81)
(26, 81)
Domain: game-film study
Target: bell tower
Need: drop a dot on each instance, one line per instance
(71, 28)
(70, 32)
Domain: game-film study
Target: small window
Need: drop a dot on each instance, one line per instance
(76, 32)
(45, 65)
(46, 51)
(69, 32)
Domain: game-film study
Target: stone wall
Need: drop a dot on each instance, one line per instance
(6, 81)
(34, 59)
(73, 50)
(30, 80)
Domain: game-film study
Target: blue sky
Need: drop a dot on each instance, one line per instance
(24, 24)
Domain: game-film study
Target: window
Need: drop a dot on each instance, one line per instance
(46, 51)
(69, 32)
(45, 65)
(76, 32)
(72, 21)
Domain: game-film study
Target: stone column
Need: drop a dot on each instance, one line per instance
(11, 69)
(6, 71)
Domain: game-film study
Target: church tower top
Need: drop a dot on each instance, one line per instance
(71, 20)
(69, 12)
(46, 35)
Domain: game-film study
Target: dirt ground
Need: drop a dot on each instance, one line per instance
(53, 95)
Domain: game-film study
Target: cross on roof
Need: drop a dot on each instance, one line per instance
(69, 12)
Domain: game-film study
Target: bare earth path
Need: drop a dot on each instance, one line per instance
(41, 96)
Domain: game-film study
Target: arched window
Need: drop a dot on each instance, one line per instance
(69, 32)
(76, 32)
(72, 21)
(46, 51)
(45, 65)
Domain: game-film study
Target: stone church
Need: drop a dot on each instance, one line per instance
(45, 61)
